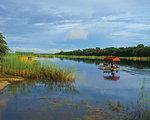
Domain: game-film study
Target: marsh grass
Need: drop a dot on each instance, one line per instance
(142, 111)
(138, 111)
(71, 56)
(18, 65)
(93, 57)
(136, 58)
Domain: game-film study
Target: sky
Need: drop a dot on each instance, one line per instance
(55, 25)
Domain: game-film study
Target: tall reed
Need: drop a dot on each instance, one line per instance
(138, 111)
(21, 66)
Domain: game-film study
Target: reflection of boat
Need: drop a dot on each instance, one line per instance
(112, 78)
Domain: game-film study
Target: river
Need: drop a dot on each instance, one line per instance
(43, 100)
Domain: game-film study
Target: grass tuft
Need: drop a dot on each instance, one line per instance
(24, 66)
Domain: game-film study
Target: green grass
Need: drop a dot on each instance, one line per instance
(13, 65)
(136, 58)
(142, 111)
(95, 57)
(71, 56)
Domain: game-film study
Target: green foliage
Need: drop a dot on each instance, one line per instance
(142, 112)
(3, 45)
(24, 53)
(139, 51)
(13, 65)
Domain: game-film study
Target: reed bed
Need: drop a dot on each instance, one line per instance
(94, 57)
(142, 111)
(136, 58)
(71, 56)
(25, 67)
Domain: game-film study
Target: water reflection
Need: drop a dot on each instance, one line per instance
(27, 87)
(61, 100)
(132, 67)
(66, 87)
(112, 75)
(136, 64)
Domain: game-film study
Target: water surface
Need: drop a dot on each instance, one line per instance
(42, 100)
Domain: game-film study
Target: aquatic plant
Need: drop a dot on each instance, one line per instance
(24, 66)
(118, 107)
(142, 111)
(139, 111)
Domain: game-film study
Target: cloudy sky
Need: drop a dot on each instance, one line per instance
(53, 25)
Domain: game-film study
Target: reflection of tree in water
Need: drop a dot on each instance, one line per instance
(136, 64)
(85, 60)
(66, 87)
(27, 86)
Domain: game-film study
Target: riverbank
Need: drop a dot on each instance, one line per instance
(8, 79)
(93, 57)
(18, 68)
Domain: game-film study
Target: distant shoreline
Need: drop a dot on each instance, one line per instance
(93, 57)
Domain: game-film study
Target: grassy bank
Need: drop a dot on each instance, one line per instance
(25, 67)
(94, 57)
(136, 58)
(70, 56)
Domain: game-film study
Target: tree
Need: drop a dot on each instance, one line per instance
(3, 45)
(140, 46)
(139, 51)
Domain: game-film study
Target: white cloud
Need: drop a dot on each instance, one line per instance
(138, 26)
(35, 50)
(18, 39)
(118, 17)
(77, 33)
(38, 50)
(126, 34)
(47, 23)
(39, 24)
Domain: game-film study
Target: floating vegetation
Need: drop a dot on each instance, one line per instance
(82, 110)
(118, 107)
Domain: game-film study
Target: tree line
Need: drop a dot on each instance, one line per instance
(137, 51)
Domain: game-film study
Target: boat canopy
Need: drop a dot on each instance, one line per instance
(116, 59)
(112, 59)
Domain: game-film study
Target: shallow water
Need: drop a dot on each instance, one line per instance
(42, 100)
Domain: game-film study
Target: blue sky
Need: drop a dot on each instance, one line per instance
(54, 25)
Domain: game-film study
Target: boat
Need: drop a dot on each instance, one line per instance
(110, 64)
(108, 68)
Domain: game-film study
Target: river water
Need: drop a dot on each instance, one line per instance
(43, 100)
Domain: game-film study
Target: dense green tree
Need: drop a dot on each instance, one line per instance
(3, 45)
(139, 51)
(140, 46)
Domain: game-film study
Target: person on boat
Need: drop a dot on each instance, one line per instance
(113, 67)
